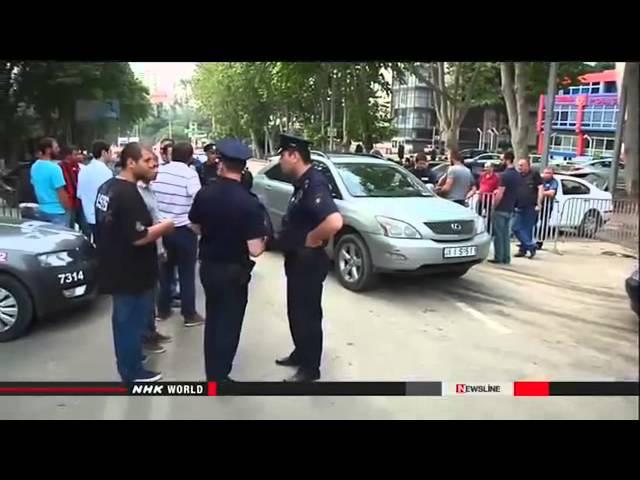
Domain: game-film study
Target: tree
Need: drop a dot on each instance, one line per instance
(39, 98)
(267, 98)
(456, 87)
(522, 83)
(632, 79)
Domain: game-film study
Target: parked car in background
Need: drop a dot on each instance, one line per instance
(472, 152)
(632, 286)
(580, 206)
(439, 170)
(392, 221)
(476, 164)
(44, 269)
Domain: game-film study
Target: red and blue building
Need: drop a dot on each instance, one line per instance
(584, 118)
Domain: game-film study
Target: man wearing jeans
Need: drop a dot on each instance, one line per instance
(504, 204)
(175, 188)
(49, 184)
(126, 245)
(528, 204)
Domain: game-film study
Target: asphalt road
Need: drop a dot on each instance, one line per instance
(496, 324)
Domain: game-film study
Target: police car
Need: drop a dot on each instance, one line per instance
(392, 221)
(44, 269)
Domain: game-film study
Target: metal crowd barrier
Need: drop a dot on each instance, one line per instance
(605, 220)
(9, 204)
(545, 229)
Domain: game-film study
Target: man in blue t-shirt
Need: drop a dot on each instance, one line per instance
(549, 191)
(504, 206)
(49, 184)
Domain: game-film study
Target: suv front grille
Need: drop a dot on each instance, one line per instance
(463, 227)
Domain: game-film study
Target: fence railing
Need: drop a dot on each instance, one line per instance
(600, 219)
(577, 219)
(9, 206)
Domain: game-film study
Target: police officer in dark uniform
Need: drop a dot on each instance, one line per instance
(208, 170)
(311, 219)
(234, 226)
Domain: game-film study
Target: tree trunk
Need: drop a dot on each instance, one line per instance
(631, 130)
(450, 137)
(514, 81)
(346, 141)
(256, 145)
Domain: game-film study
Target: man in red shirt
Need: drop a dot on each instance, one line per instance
(70, 164)
(488, 183)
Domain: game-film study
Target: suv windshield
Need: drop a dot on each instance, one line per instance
(375, 180)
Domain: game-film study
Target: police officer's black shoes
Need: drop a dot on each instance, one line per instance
(304, 375)
(287, 362)
(520, 254)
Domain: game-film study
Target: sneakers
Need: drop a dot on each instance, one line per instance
(520, 254)
(532, 254)
(152, 346)
(193, 321)
(162, 316)
(158, 337)
(148, 376)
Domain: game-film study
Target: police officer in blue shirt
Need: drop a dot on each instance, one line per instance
(234, 226)
(312, 218)
(549, 192)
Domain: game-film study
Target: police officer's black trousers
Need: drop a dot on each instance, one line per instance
(225, 288)
(306, 270)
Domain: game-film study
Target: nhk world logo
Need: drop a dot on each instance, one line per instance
(479, 389)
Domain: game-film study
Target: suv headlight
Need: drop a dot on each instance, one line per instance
(481, 227)
(56, 259)
(397, 229)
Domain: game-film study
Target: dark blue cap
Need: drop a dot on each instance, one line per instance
(292, 142)
(233, 150)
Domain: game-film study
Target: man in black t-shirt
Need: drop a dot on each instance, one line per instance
(504, 205)
(528, 204)
(126, 246)
(234, 225)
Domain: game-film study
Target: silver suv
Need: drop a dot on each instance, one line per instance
(393, 223)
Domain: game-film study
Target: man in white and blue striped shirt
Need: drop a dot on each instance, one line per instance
(175, 188)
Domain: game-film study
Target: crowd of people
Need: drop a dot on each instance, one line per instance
(154, 215)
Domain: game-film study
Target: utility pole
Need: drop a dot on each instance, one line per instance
(548, 114)
(332, 114)
(617, 146)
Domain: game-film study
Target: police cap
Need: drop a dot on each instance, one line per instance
(291, 142)
(209, 147)
(232, 149)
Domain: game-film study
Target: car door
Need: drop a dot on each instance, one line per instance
(276, 190)
(575, 202)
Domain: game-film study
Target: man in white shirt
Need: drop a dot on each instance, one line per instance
(91, 177)
(175, 188)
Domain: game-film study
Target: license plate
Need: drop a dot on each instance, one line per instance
(457, 252)
(71, 277)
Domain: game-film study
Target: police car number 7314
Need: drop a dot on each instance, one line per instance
(71, 277)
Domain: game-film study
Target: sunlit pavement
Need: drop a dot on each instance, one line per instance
(493, 325)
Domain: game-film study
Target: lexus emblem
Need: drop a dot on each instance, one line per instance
(456, 227)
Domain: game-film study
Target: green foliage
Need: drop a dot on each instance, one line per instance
(245, 98)
(39, 98)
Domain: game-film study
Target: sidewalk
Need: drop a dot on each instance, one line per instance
(591, 265)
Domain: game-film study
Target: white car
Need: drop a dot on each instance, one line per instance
(580, 205)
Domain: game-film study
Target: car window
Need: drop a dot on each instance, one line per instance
(571, 187)
(276, 173)
(322, 168)
(374, 180)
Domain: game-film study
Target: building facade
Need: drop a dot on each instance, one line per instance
(414, 117)
(416, 123)
(584, 118)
